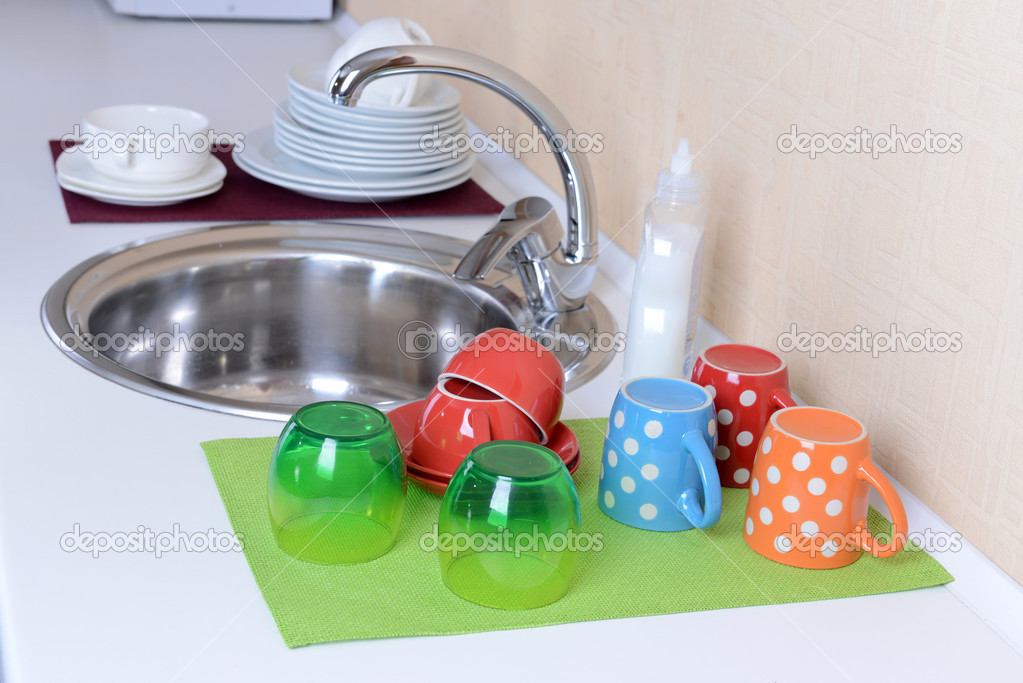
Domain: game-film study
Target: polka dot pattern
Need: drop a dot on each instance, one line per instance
(725, 416)
(800, 461)
(799, 504)
(741, 475)
(653, 429)
(722, 452)
(633, 487)
(748, 397)
(744, 438)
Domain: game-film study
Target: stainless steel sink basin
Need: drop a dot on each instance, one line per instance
(258, 320)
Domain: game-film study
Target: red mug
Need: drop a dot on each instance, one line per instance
(748, 384)
(519, 370)
(457, 416)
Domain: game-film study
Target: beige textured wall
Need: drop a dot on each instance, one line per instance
(921, 241)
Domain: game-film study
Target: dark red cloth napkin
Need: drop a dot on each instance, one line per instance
(244, 198)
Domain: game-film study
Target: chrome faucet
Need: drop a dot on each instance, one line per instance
(557, 268)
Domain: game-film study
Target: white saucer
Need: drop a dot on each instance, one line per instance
(123, 200)
(76, 169)
(438, 97)
(261, 153)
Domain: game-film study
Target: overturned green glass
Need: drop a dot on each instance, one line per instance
(508, 532)
(337, 483)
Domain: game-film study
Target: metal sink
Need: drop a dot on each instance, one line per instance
(258, 320)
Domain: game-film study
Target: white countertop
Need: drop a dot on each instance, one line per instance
(80, 450)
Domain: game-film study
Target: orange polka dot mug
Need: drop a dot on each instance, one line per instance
(748, 384)
(809, 492)
(657, 471)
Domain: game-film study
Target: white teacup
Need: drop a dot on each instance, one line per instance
(142, 143)
(390, 91)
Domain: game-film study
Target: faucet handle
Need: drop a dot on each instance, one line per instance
(527, 229)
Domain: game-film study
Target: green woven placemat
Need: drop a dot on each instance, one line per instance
(636, 573)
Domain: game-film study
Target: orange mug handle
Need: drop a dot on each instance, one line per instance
(869, 473)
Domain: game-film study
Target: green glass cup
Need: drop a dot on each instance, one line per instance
(507, 536)
(337, 484)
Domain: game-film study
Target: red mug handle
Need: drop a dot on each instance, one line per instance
(869, 473)
(479, 420)
(782, 398)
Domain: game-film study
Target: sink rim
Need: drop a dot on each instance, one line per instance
(58, 316)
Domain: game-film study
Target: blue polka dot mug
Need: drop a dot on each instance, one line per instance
(657, 470)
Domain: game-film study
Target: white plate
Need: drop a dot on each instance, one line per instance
(311, 139)
(337, 119)
(342, 132)
(344, 128)
(334, 111)
(348, 145)
(353, 196)
(122, 200)
(302, 146)
(438, 96)
(75, 167)
(262, 154)
(310, 77)
(340, 165)
(327, 108)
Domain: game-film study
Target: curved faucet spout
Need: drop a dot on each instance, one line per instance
(579, 248)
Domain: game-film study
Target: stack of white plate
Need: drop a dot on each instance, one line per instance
(357, 154)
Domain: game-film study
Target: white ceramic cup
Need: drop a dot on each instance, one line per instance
(143, 143)
(390, 91)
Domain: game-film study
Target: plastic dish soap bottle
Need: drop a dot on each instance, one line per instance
(666, 292)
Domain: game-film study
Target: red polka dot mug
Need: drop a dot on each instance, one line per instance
(748, 384)
(809, 492)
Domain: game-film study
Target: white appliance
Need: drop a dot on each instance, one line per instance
(291, 10)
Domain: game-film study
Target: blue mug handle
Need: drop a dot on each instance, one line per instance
(689, 501)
